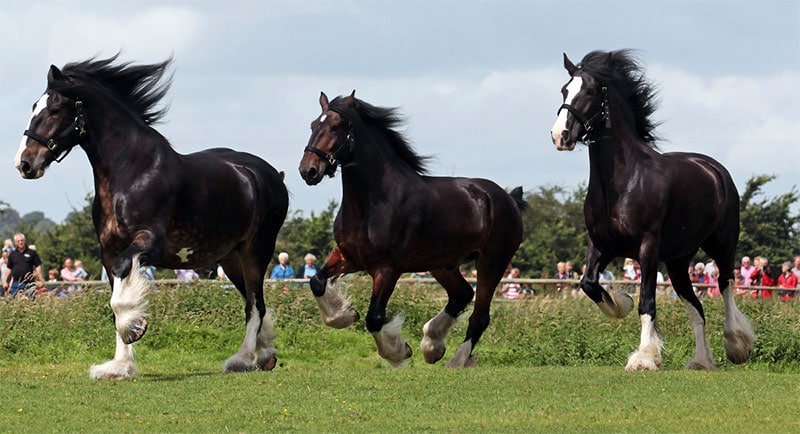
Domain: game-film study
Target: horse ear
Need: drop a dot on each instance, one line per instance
(568, 65)
(352, 98)
(54, 75)
(323, 101)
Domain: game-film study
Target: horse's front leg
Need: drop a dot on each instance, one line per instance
(391, 346)
(334, 307)
(130, 288)
(648, 356)
(614, 304)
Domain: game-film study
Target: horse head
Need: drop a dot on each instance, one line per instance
(331, 140)
(57, 124)
(585, 103)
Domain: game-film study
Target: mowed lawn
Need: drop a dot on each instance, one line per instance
(413, 399)
(546, 366)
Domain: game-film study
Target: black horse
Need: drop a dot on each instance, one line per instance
(153, 206)
(646, 205)
(394, 219)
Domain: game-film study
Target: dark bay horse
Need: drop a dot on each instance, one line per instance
(395, 219)
(153, 206)
(646, 205)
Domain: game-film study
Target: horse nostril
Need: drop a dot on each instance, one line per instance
(312, 173)
(25, 167)
(565, 135)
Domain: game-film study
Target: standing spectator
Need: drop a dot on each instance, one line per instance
(25, 267)
(699, 276)
(283, 270)
(69, 274)
(511, 290)
(561, 271)
(787, 279)
(712, 271)
(746, 271)
(762, 276)
(80, 271)
(8, 246)
(186, 274)
(571, 274)
(3, 268)
(796, 269)
(309, 269)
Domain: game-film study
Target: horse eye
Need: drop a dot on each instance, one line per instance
(333, 127)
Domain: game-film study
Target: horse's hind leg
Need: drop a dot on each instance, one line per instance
(490, 266)
(703, 360)
(459, 293)
(738, 336)
(256, 351)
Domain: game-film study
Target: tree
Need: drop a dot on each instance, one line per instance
(300, 235)
(767, 226)
(553, 230)
(76, 239)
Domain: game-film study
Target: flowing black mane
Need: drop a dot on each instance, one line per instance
(621, 71)
(139, 87)
(386, 120)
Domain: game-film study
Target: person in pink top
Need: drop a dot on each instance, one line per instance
(746, 270)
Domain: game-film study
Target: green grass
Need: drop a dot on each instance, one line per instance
(545, 366)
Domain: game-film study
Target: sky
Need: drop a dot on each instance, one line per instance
(477, 81)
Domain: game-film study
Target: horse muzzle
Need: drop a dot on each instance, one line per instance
(311, 175)
(563, 141)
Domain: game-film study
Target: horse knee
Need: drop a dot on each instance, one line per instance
(593, 290)
(317, 285)
(122, 266)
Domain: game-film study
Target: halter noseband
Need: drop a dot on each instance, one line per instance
(338, 156)
(59, 149)
(589, 124)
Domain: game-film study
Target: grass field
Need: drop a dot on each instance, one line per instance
(546, 366)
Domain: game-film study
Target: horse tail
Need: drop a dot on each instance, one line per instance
(516, 194)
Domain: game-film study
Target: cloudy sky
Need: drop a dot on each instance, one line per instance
(478, 81)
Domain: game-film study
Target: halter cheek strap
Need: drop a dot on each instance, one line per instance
(54, 144)
(589, 124)
(338, 156)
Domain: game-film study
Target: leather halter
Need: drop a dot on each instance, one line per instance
(61, 150)
(338, 156)
(589, 124)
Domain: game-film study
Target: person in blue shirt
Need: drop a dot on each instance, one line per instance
(283, 270)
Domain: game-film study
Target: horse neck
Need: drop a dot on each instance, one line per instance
(370, 178)
(116, 142)
(619, 152)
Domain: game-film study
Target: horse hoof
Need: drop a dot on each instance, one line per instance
(268, 364)
(235, 364)
(134, 332)
(701, 365)
(432, 351)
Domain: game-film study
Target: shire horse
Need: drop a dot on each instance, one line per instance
(646, 205)
(395, 219)
(154, 206)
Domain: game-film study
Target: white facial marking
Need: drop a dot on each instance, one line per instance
(37, 108)
(573, 87)
(322, 118)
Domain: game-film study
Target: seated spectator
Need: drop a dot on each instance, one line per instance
(787, 279)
